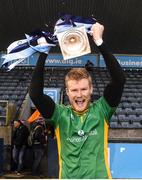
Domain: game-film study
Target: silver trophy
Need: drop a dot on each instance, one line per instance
(74, 42)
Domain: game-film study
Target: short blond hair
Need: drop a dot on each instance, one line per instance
(78, 74)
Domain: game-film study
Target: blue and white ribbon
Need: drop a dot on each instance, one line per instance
(22, 49)
(41, 41)
(67, 21)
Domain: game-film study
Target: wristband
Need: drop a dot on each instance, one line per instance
(98, 42)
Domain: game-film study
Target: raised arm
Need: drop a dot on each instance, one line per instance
(114, 89)
(43, 103)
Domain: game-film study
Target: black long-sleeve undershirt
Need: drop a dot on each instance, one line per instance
(112, 92)
(43, 103)
(114, 89)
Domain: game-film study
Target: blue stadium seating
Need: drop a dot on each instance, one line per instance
(14, 87)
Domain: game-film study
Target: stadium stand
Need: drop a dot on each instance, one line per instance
(14, 87)
(125, 125)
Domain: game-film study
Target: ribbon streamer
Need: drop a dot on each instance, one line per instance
(41, 41)
(67, 21)
(14, 64)
(22, 49)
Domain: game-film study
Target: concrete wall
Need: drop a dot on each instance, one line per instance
(5, 133)
(128, 135)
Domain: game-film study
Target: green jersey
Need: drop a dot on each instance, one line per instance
(83, 140)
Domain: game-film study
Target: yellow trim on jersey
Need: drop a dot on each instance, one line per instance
(106, 149)
(57, 132)
(81, 113)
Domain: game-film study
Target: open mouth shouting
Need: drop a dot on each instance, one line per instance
(80, 104)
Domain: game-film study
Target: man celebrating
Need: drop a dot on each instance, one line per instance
(82, 127)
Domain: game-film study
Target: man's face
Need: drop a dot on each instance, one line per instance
(79, 93)
(16, 124)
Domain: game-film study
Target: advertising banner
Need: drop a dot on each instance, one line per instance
(57, 60)
(125, 160)
(126, 61)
